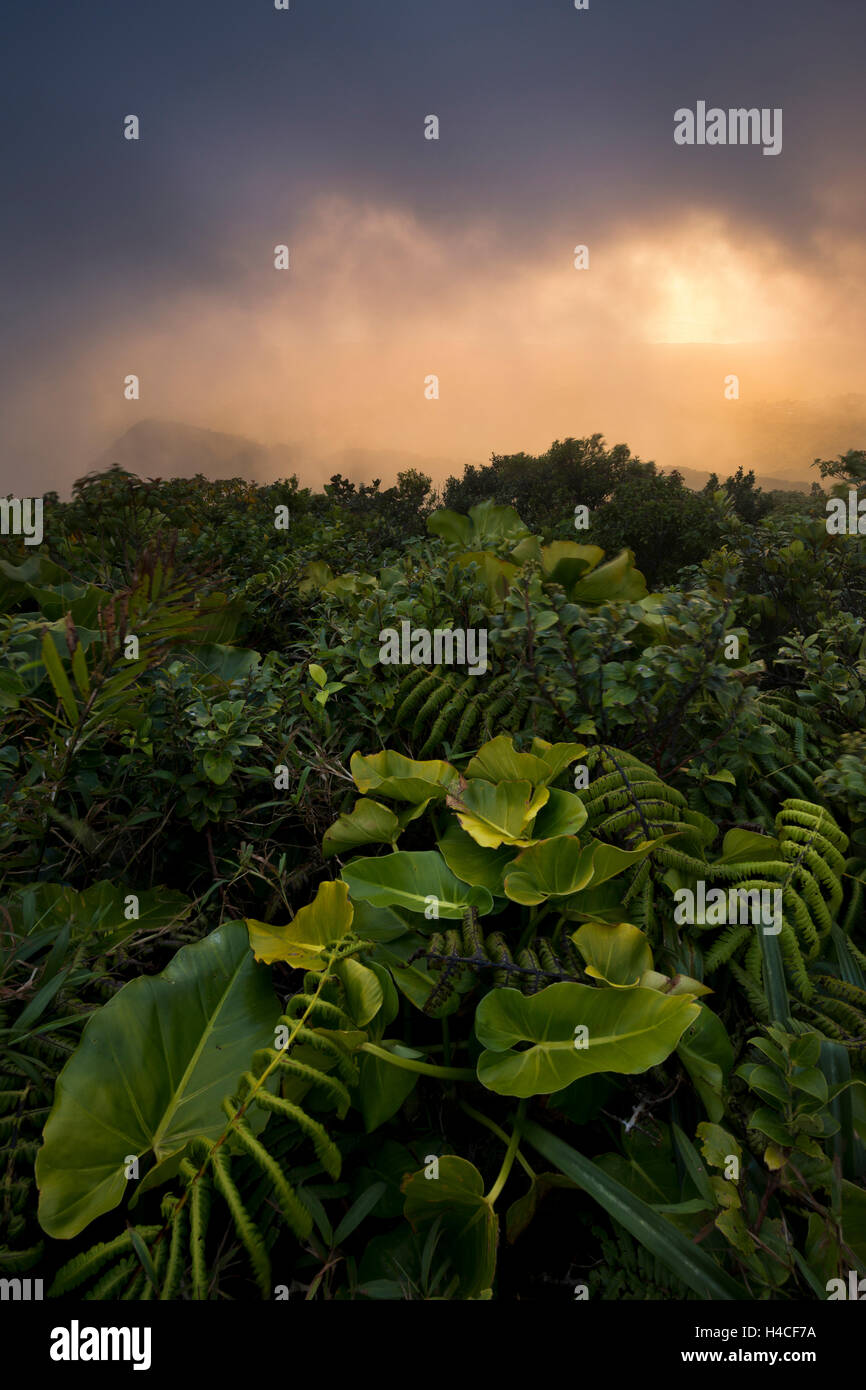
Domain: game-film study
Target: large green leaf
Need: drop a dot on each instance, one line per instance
(367, 823)
(616, 581)
(390, 774)
(557, 756)
(551, 868)
(364, 991)
(498, 574)
(413, 879)
(378, 923)
(493, 522)
(562, 814)
(618, 954)
(496, 814)
(301, 942)
(487, 524)
(745, 846)
(625, 1031)
(150, 1073)
(450, 526)
(688, 1261)
(473, 863)
(469, 1223)
(499, 761)
(561, 866)
(564, 562)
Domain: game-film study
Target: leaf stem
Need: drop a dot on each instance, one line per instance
(500, 1134)
(424, 1068)
(510, 1154)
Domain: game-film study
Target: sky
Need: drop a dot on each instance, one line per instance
(411, 257)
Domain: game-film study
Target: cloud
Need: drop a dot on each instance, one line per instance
(333, 353)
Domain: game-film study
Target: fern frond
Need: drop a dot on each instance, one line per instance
(174, 1267)
(296, 1215)
(84, 1266)
(246, 1229)
(326, 1150)
(112, 1283)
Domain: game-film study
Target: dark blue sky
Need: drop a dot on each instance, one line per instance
(550, 119)
(543, 110)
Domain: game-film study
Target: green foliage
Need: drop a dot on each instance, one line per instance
(296, 943)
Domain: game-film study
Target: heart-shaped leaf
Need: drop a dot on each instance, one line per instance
(301, 942)
(150, 1073)
(575, 1030)
(471, 862)
(562, 814)
(552, 868)
(499, 761)
(496, 814)
(364, 992)
(557, 756)
(618, 954)
(402, 779)
(561, 866)
(452, 527)
(564, 562)
(616, 581)
(418, 880)
(469, 1223)
(367, 823)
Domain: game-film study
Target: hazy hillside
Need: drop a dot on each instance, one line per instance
(169, 449)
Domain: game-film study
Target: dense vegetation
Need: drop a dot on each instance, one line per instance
(330, 978)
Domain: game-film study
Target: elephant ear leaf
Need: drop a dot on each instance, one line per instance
(499, 761)
(301, 942)
(453, 527)
(367, 824)
(497, 814)
(390, 774)
(469, 1224)
(561, 866)
(574, 1031)
(413, 880)
(150, 1073)
(619, 953)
